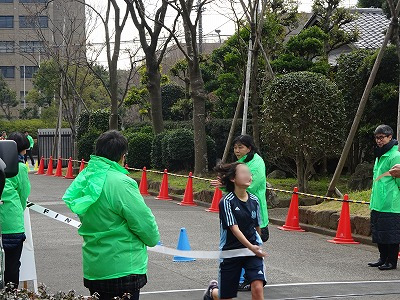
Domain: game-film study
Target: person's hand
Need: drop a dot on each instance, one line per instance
(395, 171)
(258, 251)
(216, 183)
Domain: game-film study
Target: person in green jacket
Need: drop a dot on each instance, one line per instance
(385, 200)
(29, 151)
(14, 197)
(246, 151)
(117, 225)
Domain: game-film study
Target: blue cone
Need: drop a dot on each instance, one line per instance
(160, 243)
(183, 244)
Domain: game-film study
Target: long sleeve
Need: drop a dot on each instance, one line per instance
(24, 185)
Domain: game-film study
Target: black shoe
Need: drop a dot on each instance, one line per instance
(387, 266)
(376, 264)
(245, 286)
(208, 292)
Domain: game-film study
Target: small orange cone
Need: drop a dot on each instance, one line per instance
(188, 196)
(143, 184)
(50, 167)
(41, 167)
(59, 168)
(70, 173)
(343, 233)
(126, 167)
(215, 201)
(163, 195)
(82, 165)
(292, 219)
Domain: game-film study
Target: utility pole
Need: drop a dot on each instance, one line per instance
(200, 26)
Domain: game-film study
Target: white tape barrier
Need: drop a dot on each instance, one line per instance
(28, 266)
(159, 249)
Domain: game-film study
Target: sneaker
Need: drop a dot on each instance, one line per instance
(244, 286)
(208, 293)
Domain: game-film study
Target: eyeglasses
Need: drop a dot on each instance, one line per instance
(380, 137)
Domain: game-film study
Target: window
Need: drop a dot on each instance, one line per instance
(6, 21)
(32, 1)
(31, 46)
(33, 22)
(6, 1)
(6, 46)
(29, 71)
(7, 71)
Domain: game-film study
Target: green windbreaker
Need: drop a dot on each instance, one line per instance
(31, 141)
(385, 195)
(15, 195)
(259, 185)
(117, 225)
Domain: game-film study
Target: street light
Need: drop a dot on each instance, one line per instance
(218, 31)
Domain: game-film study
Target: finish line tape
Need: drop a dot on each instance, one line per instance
(159, 249)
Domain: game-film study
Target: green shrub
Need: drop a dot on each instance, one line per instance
(139, 149)
(156, 151)
(31, 126)
(86, 144)
(178, 149)
(211, 153)
(83, 124)
(99, 119)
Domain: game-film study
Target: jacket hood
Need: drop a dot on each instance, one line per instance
(88, 185)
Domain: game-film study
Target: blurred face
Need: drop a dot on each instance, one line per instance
(240, 150)
(243, 176)
(381, 139)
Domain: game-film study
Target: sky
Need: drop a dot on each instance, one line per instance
(216, 16)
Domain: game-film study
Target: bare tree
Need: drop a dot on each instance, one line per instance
(153, 55)
(192, 55)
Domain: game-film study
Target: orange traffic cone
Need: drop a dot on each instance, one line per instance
(82, 165)
(292, 219)
(41, 167)
(163, 195)
(70, 173)
(143, 184)
(59, 168)
(343, 233)
(188, 196)
(50, 167)
(215, 201)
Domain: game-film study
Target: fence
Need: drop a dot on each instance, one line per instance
(46, 140)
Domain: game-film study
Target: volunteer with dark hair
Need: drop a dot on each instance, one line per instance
(385, 200)
(247, 152)
(14, 197)
(239, 213)
(117, 225)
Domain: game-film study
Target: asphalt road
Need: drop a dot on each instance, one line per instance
(299, 265)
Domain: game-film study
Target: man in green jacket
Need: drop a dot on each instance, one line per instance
(117, 225)
(29, 151)
(385, 200)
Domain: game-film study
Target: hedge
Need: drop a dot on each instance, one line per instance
(139, 149)
(86, 144)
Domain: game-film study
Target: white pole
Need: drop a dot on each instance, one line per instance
(247, 87)
(24, 88)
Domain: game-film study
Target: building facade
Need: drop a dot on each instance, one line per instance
(32, 31)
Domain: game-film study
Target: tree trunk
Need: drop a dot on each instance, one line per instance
(301, 176)
(154, 89)
(199, 120)
(114, 98)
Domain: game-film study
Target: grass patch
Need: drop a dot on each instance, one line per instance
(355, 208)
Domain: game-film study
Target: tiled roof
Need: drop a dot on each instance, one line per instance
(371, 24)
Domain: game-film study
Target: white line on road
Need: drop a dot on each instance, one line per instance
(283, 285)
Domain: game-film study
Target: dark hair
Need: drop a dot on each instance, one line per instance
(248, 141)
(384, 129)
(21, 140)
(227, 172)
(112, 145)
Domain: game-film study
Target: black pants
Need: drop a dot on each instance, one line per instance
(12, 264)
(389, 253)
(29, 153)
(105, 296)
